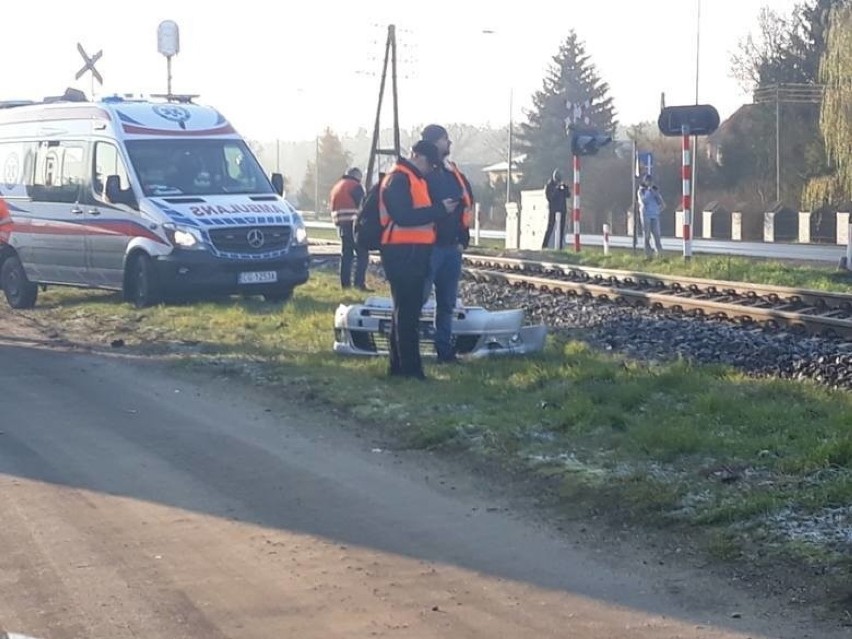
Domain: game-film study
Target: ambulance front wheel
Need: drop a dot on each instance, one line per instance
(278, 296)
(19, 291)
(142, 283)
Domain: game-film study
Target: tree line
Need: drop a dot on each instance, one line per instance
(810, 47)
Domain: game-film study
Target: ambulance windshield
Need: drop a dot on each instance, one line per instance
(196, 167)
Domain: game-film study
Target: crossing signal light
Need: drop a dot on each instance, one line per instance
(588, 142)
(699, 119)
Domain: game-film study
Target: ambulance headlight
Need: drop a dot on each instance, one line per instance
(300, 233)
(184, 237)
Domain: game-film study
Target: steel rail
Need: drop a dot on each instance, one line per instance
(829, 326)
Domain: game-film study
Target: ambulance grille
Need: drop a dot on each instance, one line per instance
(251, 239)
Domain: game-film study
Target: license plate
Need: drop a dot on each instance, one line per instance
(258, 277)
(427, 331)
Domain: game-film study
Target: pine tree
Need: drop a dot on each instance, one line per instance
(571, 78)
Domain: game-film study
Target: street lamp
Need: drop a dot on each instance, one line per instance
(510, 135)
(303, 94)
(697, 69)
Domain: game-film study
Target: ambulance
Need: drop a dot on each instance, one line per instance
(158, 199)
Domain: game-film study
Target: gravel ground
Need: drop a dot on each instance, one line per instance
(661, 335)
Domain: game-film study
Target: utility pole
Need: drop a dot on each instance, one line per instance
(697, 69)
(375, 149)
(786, 93)
(316, 175)
(509, 160)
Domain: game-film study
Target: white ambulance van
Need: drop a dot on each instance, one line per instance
(156, 199)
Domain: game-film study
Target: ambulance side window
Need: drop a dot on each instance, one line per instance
(16, 168)
(59, 171)
(107, 161)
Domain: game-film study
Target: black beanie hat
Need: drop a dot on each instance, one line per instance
(433, 133)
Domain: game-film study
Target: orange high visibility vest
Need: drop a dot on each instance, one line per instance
(467, 198)
(343, 207)
(395, 234)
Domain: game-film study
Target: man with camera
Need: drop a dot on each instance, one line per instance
(651, 205)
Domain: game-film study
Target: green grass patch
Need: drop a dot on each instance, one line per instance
(717, 267)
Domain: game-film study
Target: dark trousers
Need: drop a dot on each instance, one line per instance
(406, 267)
(350, 251)
(551, 222)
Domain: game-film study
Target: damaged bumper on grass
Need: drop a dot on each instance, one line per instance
(363, 329)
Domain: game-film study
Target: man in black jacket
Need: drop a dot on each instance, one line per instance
(446, 181)
(408, 215)
(557, 194)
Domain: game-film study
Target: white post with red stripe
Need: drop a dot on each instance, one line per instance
(606, 239)
(576, 214)
(687, 195)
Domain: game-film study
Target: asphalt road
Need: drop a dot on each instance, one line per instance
(138, 503)
(829, 253)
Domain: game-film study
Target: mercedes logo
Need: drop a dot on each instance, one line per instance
(255, 238)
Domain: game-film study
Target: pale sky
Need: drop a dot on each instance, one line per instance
(289, 69)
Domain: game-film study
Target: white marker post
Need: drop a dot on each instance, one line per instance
(849, 246)
(476, 225)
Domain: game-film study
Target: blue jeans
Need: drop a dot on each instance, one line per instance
(444, 274)
(651, 228)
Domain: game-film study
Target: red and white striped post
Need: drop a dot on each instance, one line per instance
(687, 195)
(576, 213)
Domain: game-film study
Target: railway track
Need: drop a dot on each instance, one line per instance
(806, 311)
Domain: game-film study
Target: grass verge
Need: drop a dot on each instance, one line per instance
(720, 267)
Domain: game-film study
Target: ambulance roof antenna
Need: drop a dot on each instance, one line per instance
(375, 149)
(168, 44)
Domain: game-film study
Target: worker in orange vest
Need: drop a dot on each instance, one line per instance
(346, 196)
(408, 217)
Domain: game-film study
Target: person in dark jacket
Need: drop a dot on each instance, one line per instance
(408, 215)
(346, 196)
(446, 181)
(557, 194)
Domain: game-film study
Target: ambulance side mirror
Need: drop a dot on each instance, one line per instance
(115, 194)
(278, 183)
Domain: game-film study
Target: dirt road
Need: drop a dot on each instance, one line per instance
(139, 502)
